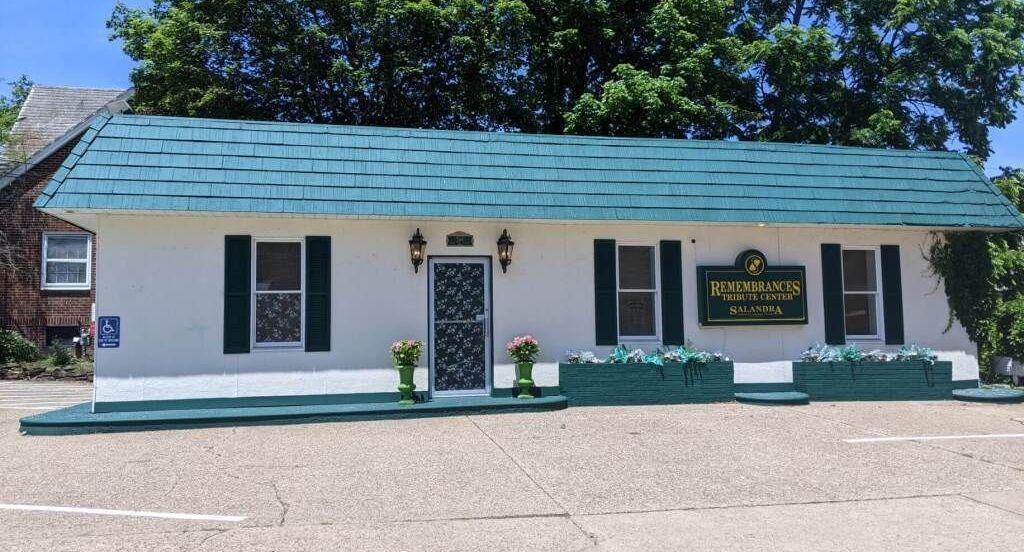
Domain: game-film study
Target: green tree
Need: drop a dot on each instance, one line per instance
(443, 64)
(695, 86)
(984, 277)
(888, 73)
(10, 106)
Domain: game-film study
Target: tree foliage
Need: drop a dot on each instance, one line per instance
(890, 73)
(984, 279)
(10, 106)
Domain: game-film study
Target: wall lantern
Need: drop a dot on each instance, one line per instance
(417, 246)
(505, 245)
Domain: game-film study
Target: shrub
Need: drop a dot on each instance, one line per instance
(523, 348)
(1009, 326)
(15, 348)
(406, 352)
(60, 354)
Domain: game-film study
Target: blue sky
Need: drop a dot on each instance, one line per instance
(64, 42)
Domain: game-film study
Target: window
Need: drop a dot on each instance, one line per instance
(67, 260)
(67, 335)
(278, 293)
(861, 293)
(638, 292)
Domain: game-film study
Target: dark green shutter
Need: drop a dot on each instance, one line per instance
(832, 293)
(237, 293)
(318, 293)
(892, 295)
(672, 292)
(605, 301)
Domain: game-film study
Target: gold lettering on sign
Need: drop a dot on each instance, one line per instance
(723, 288)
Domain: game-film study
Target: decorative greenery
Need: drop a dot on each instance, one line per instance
(406, 352)
(61, 355)
(686, 355)
(983, 276)
(573, 356)
(15, 348)
(916, 352)
(523, 348)
(852, 353)
(623, 355)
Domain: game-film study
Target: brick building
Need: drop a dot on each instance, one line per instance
(47, 265)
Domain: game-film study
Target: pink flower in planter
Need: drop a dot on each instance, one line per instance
(523, 348)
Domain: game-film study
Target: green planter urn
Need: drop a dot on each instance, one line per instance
(405, 384)
(524, 378)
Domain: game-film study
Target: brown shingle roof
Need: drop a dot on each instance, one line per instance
(50, 112)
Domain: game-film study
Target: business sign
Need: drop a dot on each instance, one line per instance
(108, 332)
(751, 293)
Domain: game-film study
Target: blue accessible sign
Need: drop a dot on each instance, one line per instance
(108, 332)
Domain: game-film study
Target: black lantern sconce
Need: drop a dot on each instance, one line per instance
(505, 245)
(417, 247)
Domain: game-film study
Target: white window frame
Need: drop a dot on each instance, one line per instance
(657, 293)
(87, 261)
(879, 315)
(286, 345)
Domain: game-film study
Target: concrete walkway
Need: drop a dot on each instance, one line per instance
(42, 395)
(695, 477)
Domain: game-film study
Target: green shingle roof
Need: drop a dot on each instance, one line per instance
(131, 162)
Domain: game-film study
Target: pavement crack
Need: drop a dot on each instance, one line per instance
(174, 485)
(990, 505)
(770, 504)
(215, 533)
(284, 505)
(484, 518)
(591, 537)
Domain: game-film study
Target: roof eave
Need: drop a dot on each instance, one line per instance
(63, 212)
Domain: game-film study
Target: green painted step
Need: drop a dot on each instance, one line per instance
(78, 419)
(775, 397)
(990, 395)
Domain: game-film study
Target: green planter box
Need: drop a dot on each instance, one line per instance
(621, 384)
(874, 381)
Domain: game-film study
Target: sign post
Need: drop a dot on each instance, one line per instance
(751, 293)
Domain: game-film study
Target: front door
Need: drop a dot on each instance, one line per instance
(460, 325)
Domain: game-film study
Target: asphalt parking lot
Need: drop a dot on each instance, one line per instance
(701, 477)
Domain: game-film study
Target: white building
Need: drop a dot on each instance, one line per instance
(270, 263)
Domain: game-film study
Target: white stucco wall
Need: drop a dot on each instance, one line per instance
(163, 275)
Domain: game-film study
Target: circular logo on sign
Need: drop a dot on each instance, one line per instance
(754, 264)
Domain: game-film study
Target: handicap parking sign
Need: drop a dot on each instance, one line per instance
(108, 332)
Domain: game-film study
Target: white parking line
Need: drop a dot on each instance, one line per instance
(43, 398)
(128, 513)
(936, 438)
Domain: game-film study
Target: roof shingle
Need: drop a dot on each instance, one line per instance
(128, 162)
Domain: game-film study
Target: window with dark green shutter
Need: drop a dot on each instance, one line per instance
(605, 293)
(318, 293)
(237, 293)
(671, 292)
(832, 293)
(892, 294)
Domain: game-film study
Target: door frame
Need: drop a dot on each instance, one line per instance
(487, 262)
